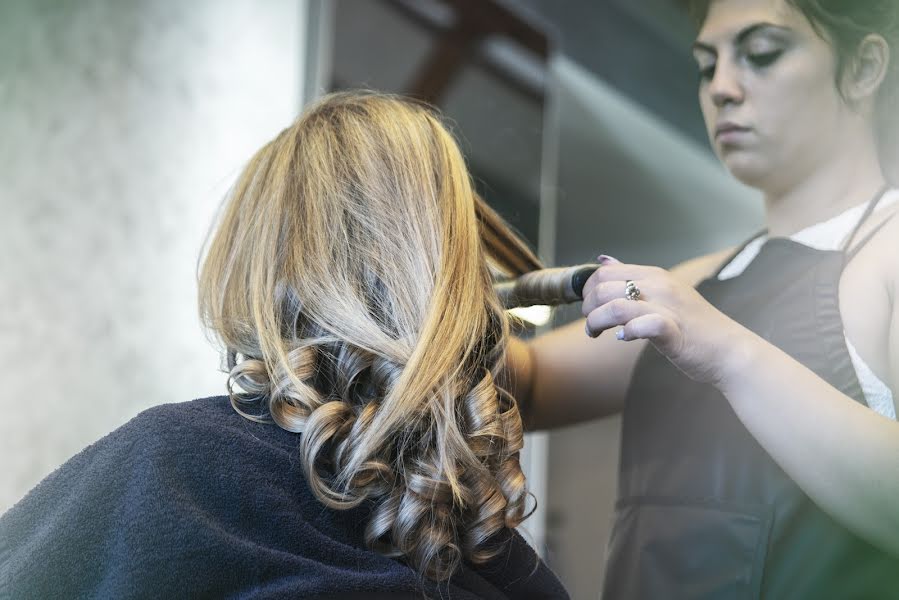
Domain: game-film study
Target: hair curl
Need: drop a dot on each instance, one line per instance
(348, 280)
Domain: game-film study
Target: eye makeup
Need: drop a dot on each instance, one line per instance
(760, 45)
(763, 59)
(764, 46)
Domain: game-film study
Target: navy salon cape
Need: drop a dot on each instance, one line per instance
(193, 500)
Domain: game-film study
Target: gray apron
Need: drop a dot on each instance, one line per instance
(703, 511)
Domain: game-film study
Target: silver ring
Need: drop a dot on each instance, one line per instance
(631, 291)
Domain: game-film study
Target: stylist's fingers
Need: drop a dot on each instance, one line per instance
(607, 291)
(602, 293)
(619, 311)
(604, 262)
(621, 273)
(660, 328)
(611, 272)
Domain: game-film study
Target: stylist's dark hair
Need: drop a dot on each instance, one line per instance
(844, 24)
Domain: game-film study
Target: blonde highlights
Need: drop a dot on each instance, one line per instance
(348, 280)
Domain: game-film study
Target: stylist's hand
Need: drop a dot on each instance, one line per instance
(699, 339)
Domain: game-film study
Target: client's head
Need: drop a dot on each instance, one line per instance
(348, 280)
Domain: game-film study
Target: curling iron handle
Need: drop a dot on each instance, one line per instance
(560, 285)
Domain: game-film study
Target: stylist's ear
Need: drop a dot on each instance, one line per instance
(868, 69)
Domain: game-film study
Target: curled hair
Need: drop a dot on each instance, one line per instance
(844, 24)
(348, 280)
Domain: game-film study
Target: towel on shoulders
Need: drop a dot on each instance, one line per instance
(193, 500)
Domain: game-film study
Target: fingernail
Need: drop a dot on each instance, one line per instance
(620, 334)
(605, 259)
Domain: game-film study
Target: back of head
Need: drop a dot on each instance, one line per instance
(348, 280)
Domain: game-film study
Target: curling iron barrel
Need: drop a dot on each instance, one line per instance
(560, 285)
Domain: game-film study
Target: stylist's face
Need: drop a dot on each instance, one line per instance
(766, 90)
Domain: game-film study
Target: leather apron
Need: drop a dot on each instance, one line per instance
(703, 511)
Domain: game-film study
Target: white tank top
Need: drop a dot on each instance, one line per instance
(831, 235)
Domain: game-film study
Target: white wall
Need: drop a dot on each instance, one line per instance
(122, 124)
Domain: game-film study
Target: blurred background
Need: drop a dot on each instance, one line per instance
(124, 122)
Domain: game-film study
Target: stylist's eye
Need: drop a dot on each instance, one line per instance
(706, 73)
(764, 59)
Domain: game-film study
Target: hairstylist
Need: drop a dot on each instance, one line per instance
(760, 448)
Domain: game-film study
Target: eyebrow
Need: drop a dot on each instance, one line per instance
(740, 37)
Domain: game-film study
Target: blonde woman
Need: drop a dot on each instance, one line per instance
(366, 445)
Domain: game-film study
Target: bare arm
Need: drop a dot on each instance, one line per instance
(565, 377)
(842, 454)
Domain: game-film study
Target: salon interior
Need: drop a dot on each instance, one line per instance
(124, 123)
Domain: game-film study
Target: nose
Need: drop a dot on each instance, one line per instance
(725, 86)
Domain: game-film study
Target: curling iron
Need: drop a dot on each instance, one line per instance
(551, 287)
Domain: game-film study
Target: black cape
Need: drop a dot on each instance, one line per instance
(193, 500)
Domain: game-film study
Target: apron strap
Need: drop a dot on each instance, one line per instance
(872, 204)
(851, 253)
(735, 253)
(868, 211)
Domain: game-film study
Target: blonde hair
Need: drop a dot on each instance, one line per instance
(348, 280)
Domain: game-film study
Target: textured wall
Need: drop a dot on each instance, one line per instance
(121, 125)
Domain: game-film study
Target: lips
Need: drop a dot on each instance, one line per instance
(728, 128)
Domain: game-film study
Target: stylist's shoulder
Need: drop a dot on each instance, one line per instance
(883, 253)
(884, 242)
